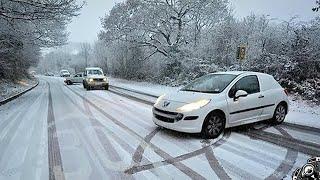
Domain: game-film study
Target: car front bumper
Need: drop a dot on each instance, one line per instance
(170, 120)
(97, 84)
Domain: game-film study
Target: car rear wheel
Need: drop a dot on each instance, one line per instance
(279, 114)
(213, 126)
(106, 87)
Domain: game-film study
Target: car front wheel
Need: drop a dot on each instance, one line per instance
(213, 126)
(279, 114)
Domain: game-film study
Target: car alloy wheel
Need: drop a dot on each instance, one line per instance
(214, 126)
(280, 113)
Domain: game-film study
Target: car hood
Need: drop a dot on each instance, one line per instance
(96, 76)
(187, 96)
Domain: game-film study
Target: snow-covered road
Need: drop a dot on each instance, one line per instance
(64, 132)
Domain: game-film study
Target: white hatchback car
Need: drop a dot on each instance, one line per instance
(221, 100)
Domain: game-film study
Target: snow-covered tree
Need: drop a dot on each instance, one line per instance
(26, 27)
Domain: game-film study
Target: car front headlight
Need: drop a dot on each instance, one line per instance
(159, 98)
(105, 79)
(90, 80)
(193, 106)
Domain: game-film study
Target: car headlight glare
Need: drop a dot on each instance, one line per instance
(193, 106)
(90, 80)
(160, 98)
(105, 79)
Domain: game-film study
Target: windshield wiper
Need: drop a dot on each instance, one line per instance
(213, 92)
(191, 90)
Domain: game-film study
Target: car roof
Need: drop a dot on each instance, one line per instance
(230, 72)
(93, 68)
(241, 72)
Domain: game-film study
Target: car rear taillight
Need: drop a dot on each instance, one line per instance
(286, 91)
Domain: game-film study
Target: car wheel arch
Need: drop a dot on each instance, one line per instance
(218, 111)
(204, 131)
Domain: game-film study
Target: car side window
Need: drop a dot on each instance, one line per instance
(250, 84)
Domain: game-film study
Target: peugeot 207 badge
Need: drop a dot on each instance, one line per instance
(166, 103)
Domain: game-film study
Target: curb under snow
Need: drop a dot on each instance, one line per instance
(18, 95)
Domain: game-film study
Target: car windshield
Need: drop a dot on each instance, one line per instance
(64, 71)
(213, 83)
(95, 72)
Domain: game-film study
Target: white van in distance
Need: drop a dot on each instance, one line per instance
(64, 73)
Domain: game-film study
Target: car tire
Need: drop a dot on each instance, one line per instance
(213, 125)
(279, 114)
(88, 88)
(106, 87)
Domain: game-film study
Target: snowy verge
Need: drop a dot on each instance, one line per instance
(10, 90)
(300, 112)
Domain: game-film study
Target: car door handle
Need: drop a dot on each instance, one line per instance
(261, 96)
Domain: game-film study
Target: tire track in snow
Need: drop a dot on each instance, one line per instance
(107, 146)
(54, 156)
(12, 133)
(287, 164)
(96, 124)
(307, 148)
(183, 168)
(291, 156)
(24, 106)
(213, 162)
(300, 128)
(138, 154)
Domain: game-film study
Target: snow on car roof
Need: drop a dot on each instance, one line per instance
(90, 68)
(240, 72)
(231, 72)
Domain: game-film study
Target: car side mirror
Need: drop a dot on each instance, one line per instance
(240, 93)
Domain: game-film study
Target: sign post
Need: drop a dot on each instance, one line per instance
(241, 54)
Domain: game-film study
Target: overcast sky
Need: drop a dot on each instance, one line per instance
(85, 27)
